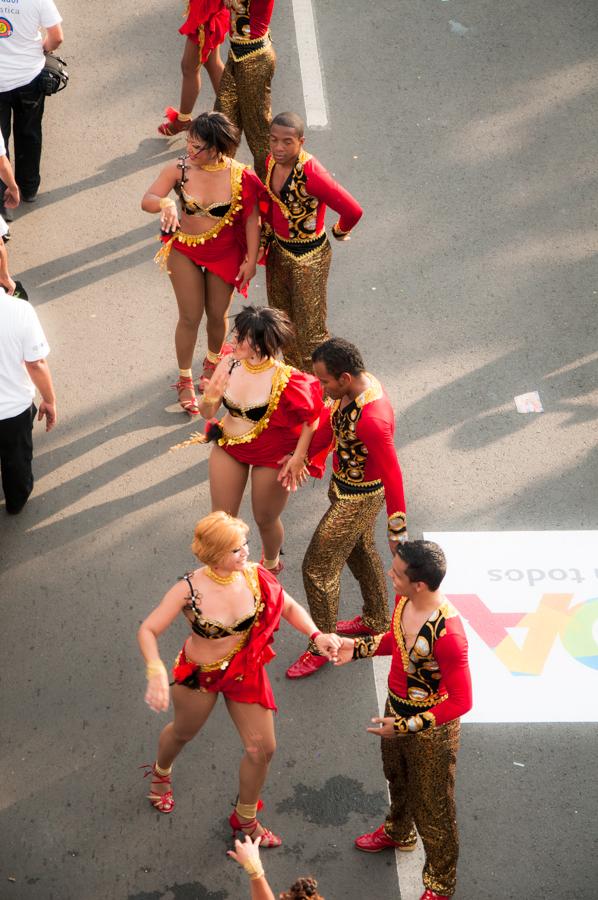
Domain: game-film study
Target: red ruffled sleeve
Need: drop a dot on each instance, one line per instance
(301, 400)
(253, 193)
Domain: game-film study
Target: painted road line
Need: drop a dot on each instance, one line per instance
(409, 865)
(316, 115)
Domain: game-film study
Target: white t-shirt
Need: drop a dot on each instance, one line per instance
(21, 53)
(21, 338)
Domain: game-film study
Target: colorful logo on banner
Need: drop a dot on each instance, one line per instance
(6, 28)
(553, 619)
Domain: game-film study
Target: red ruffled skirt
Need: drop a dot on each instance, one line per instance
(243, 685)
(206, 25)
(221, 255)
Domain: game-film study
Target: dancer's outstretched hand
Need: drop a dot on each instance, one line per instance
(293, 472)
(157, 695)
(246, 851)
(345, 653)
(328, 645)
(384, 727)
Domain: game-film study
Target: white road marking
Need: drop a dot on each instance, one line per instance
(309, 60)
(409, 865)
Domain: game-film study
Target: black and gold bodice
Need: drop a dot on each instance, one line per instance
(208, 628)
(241, 42)
(349, 475)
(193, 207)
(249, 413)
(298, 206)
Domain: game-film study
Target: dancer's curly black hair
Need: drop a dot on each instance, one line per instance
(304, 889)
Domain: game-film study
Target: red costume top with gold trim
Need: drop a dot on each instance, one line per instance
(249, 27)
(223, 247)
(206, 25)
(241, 675)
(295, 399)
(365, 460)
(430, 684)
(298, 213)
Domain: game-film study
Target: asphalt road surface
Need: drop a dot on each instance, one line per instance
(467, 130)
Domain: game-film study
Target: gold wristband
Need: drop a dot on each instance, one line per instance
(255, 869)
(166, 201)
(211, 399)
(155, 667)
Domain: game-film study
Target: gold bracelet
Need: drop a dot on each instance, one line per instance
(166, 201)
(211, 399)
(254, 870)
(155, 667)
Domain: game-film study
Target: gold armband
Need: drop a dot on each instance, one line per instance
(338, 232)
(155, 667)
(166, 202)
(210, 399)
(414, 724)
(397, 527)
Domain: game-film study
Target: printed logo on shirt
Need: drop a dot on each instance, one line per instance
(6, 28)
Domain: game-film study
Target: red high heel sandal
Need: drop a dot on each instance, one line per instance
(164, 803)
(173, 124)
(208, 370)
(268, 838)
(186, 384)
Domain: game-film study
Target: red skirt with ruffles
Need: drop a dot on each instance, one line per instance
(206, 25)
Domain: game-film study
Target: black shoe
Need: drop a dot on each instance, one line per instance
(15, 510)
(7, 214)
(29, 198)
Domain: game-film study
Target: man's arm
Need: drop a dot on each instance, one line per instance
(39, 372)
(12, 197)
(5, 279)
(53, 39)
(323, 186)
(377, 433)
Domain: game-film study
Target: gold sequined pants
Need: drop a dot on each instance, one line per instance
(420, 770)
(346, 535)
(298, 286)
(245, 97)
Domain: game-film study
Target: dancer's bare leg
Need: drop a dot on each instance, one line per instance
(268, 499)
(191, 86)
(214, 68)
(256, 728)
(219, 295)
(228, 479)
(191, 711)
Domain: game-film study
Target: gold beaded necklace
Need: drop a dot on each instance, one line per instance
(221, 579)
(259, 367)
(215, 167)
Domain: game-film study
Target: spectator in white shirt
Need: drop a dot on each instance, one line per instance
(23, 367)
(22, 59)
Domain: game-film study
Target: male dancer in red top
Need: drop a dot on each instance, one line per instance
(429, 688)
(299, 253)
(365, 469)
(244, 92)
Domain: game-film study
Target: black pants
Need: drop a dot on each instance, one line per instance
(21, 110)
(16, 454)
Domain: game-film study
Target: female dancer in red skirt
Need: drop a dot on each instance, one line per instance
(205, 27)
(234, 608)
(211, 244)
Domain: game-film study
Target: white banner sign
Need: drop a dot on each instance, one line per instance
(529, 603)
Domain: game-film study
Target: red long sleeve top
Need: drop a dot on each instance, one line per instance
(299, 212)
(430, 684)
(250, 20)
(365, 460)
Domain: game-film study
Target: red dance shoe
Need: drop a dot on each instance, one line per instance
(268, 838)
(379, 840)
(432, 895)
(173, 124)
(307, 664)
(352, 627)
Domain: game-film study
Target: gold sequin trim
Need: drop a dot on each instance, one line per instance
(279, 382)
(192, 240)
(355, 496)
(303, 157)
(373, 392)
(398, 631)
(433, 699)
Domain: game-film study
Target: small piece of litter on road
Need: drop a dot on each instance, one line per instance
(519, 764)
(355, 157)
(529, 403)
(373, 288)
(11, 878)
(457, 28)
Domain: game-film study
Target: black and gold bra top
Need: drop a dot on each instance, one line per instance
(208, 628)
(249, 413)
(193, 207)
